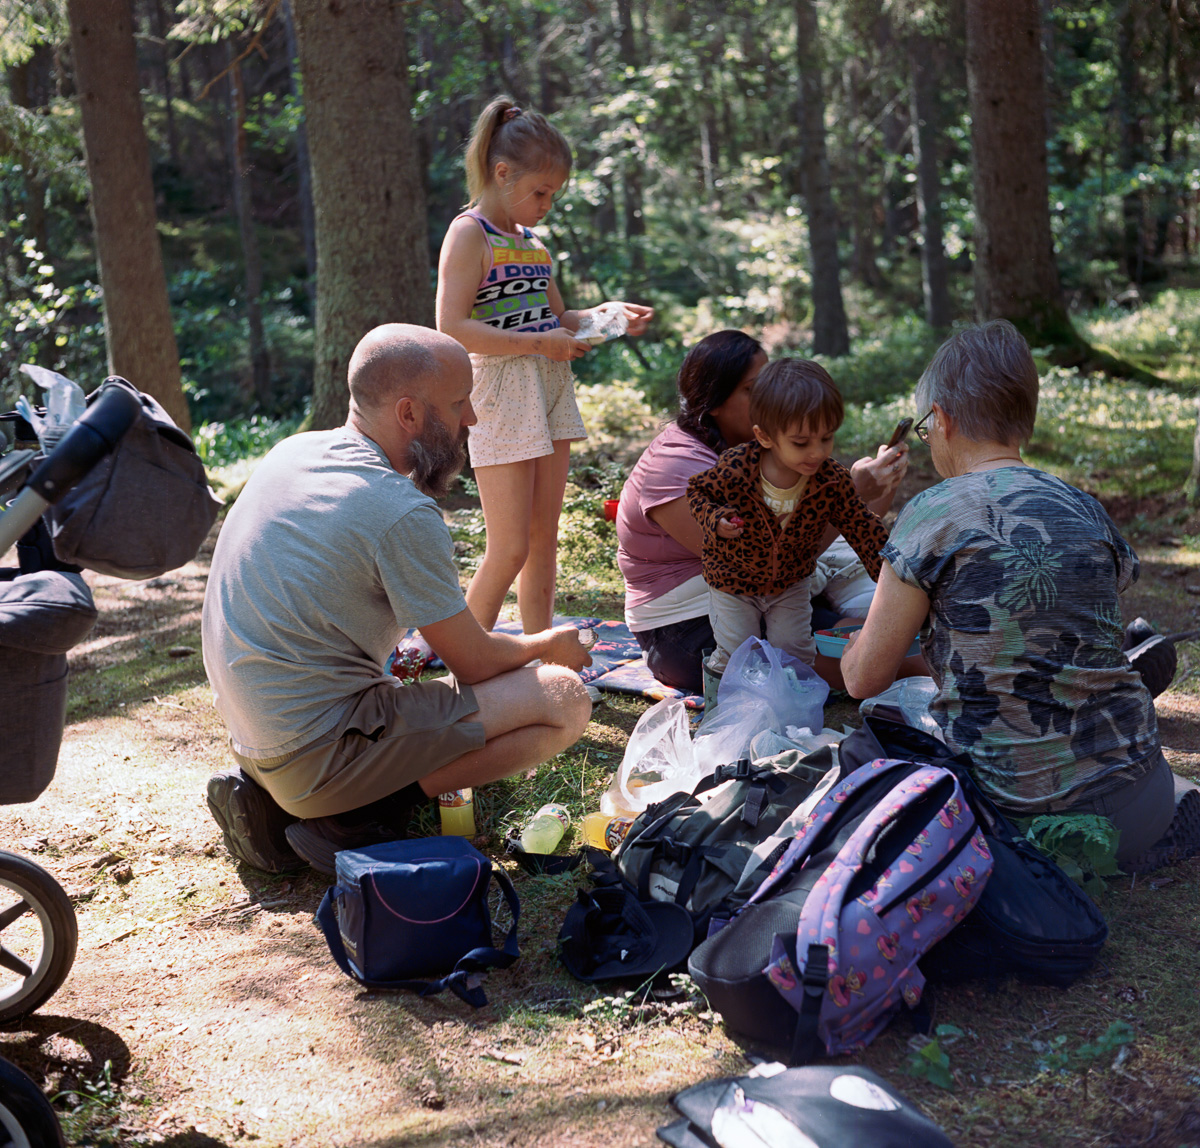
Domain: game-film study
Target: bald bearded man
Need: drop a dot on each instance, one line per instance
(332, 551)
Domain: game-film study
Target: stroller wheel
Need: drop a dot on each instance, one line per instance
(38, 933)
(26, 1118)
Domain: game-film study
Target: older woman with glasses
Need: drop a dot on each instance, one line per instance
(1018, 576)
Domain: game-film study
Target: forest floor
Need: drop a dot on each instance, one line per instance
(204, 1011)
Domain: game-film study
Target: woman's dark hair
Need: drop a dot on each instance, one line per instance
(710, 373)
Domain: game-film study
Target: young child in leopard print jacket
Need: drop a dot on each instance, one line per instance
(764, 508)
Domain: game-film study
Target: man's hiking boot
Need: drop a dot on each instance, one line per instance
(1182, 838)
(319, 839)
(1155, 660)
(252, 825)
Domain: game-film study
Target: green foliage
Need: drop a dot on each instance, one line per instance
(1056, 1056)
(46, 322)
(1164, 336)
(1114, 437)
(1083, 845)
(221, 444)
(890, 361)
(211, 331)
(931, 1062)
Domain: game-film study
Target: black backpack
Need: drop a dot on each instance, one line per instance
(694, 848)
(1032, 921)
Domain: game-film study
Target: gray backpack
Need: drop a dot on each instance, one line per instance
(696, 849)
(144, 509)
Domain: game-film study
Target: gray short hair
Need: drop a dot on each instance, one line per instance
(392, 360)
(985, 378)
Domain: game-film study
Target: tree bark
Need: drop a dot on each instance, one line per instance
(239, 167)
(1132, 143)
(303, 162)
(926, 133)
(1016, 277)
(137, 315)
(830, 333)
(372, 242)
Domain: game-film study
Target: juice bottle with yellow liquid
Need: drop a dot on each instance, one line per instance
(458, 813)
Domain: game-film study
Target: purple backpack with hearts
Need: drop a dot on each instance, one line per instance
(885, 864)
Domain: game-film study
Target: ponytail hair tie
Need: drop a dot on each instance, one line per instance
(511, 114)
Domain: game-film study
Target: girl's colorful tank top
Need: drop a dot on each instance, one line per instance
(513, 294)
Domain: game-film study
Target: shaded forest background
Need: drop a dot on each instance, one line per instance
(810, 171)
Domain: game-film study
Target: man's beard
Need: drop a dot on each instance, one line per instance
(436, 456)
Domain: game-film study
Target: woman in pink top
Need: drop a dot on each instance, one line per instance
(666, 598)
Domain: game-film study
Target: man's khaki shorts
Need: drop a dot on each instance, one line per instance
(395, 735)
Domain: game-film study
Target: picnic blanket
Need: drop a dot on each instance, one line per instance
(617, 662)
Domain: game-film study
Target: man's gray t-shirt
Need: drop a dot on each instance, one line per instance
(327, 557)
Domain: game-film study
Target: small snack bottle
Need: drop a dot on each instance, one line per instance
(602, 831)
(458, 813)
(546, 829)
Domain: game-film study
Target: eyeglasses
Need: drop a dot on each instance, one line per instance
(922, 431)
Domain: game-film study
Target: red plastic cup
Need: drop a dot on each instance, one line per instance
(610, 509)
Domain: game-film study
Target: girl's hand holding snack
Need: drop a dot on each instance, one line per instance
(559, 345)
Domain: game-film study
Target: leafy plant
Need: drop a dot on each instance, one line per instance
(1083, 845)
(1060, 1058)
(931, 1062)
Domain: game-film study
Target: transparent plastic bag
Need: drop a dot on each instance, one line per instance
(658, 760)
(762, 689)
(725, 738)
(65, 402)
(794, 692)
(602, 323)
(911, 696)
(767, 743)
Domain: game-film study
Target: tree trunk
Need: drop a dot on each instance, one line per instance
(160, 31)
(923, 70)
(830, 334)
(303, 162)
(1016, 277)
(632, 165)
(239, 166)
(137, 315)
(372, 242)
(1132, 143)
(29, 87)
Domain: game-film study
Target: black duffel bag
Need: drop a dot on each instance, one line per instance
(1032, 920)
(145, 508)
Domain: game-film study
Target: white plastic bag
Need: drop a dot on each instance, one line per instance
(911, 696)
(65, 402)
(658, 760)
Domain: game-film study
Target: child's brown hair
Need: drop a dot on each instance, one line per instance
(792, 392)
(526, 141)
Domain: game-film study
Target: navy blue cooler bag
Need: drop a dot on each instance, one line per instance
(407, 910)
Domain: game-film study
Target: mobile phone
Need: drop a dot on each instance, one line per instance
(900, 433)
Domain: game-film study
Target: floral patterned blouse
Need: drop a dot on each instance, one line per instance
(1023, 573)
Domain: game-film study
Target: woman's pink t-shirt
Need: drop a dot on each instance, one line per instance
(651, 561)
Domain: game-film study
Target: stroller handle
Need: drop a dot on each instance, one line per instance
(93, 435)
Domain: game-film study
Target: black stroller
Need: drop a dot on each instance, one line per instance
(45, 609)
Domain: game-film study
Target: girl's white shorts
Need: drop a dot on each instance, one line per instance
(524, 404)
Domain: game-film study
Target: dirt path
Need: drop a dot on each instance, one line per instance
(203, 1009)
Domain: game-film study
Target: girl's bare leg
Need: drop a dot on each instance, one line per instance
(535, 586)
(506, 492)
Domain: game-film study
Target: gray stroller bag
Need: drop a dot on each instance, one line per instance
(42, 615)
